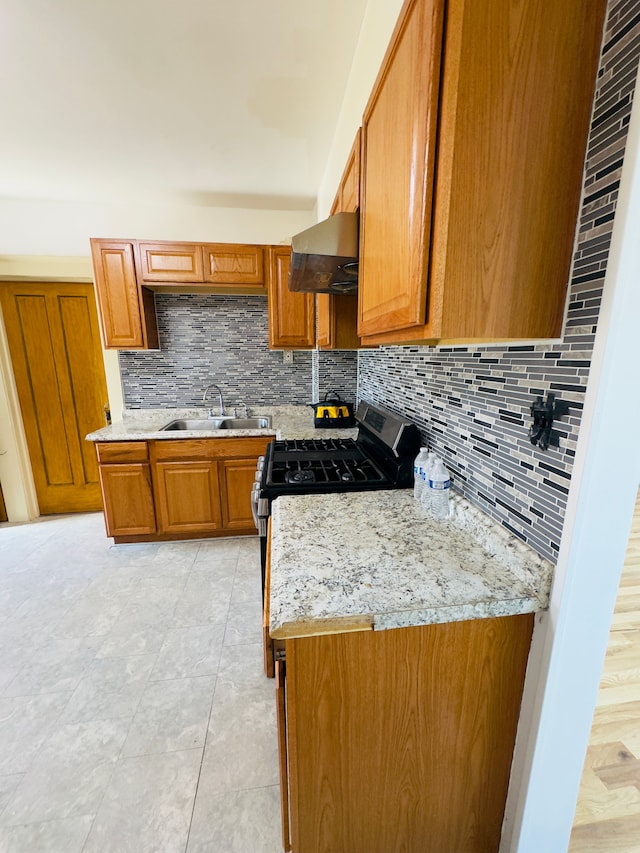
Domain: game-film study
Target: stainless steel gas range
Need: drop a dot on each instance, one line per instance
(381, 457)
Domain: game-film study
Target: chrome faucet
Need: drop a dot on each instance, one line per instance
(204, 397)
(243, 405)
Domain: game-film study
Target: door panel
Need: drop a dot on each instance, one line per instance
(88, 398)
(187, 497)
(128, 499)
(238, 477)
(52, 331)
(291, 315)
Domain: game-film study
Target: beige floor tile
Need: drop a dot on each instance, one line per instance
(240, 675)
(189, 652)
(54, 836)
(242, 747)
(25, 724)
(8, 784)
(172, 715)
(70, 774)
(237, 822)
(111, 688)
(148, 804)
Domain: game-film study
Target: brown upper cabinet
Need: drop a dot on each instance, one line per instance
(217, 263)
(337, 316)
(127, 272)
(473, 148)
(291, 315)
(127, 312)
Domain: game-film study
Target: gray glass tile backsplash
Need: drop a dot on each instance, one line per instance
(224, 339)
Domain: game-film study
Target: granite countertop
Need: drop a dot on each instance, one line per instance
(144, 424)
(378, 560)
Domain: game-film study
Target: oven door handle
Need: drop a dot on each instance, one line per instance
(254, 505)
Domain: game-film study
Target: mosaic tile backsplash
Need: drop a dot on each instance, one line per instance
(224, 339)
(473, 403)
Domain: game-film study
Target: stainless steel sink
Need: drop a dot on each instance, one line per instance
(246, 423)
(209, 424)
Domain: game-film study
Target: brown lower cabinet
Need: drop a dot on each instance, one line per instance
(127, 491)
(178, 489)
(400, 741)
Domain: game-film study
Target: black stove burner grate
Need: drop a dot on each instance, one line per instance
(315, 445)
(340, 472)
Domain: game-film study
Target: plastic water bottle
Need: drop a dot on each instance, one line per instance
(419, 473)
(439, 484)
(426, 494)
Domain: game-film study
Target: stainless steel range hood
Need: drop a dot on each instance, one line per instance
(324, 258)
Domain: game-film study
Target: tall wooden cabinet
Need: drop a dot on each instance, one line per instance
(473, 148)
(292, 322)
(127, 312)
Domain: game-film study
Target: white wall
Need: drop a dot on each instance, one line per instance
(377, 26)
(62, 228)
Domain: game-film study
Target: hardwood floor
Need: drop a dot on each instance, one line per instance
(607, 818)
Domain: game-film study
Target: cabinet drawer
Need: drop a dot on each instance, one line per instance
(122, 451)
(209, 448)
(230, 263)
(187, 448)
(241, 448)
(171, 261)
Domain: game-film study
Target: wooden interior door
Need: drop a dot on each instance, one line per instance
(3, 509)
(54, 341)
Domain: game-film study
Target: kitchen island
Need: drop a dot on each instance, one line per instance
(406, 646)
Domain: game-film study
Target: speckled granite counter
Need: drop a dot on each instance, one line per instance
(144, 424)
(377, 560)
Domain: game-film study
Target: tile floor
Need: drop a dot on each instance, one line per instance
(134, 714)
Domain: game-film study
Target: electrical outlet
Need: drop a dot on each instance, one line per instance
(287, 356)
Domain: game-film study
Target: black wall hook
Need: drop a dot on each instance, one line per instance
(544, 413)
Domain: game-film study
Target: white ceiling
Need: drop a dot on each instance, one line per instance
(206, 102)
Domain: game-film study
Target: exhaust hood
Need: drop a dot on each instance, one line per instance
(324, 258)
